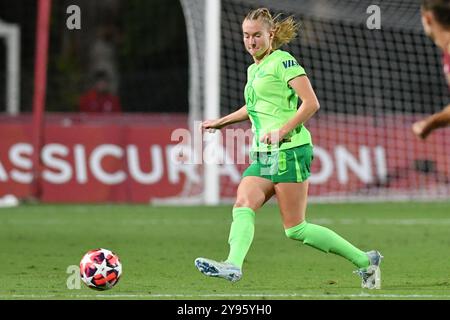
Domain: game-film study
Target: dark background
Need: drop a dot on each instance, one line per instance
(143, 43)
(146, 47)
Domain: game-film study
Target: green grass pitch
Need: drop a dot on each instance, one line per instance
(158, 245)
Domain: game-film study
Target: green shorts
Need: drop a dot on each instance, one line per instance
(291, 165)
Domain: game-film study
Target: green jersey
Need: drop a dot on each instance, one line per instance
(271, 102)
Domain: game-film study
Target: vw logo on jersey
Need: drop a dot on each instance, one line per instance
(260, 74)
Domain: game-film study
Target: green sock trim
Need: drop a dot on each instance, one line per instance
(241, 235)
(243, 211)
(296, 230)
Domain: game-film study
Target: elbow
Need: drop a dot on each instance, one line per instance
(316, 106)
(311, 106)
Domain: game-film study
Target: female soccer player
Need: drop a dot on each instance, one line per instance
(436, 23)
(282, 152)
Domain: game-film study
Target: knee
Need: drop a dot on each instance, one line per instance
(253, 203)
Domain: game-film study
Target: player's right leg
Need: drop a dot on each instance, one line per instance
(252, 193)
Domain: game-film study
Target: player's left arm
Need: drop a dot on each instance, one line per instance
(310, 104)
(438, 120)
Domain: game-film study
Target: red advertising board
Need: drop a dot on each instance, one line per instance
(92, 160)
(137, 159)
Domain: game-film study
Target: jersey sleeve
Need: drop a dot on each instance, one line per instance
(289, 68)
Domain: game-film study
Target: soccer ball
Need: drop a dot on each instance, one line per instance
(100, 269)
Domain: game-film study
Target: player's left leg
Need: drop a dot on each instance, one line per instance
(292, 202)
(292, 199)
(291, 189)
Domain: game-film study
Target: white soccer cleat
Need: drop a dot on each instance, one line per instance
(371, 277)
(223, 270)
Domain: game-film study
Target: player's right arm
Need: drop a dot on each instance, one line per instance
(438, 120)
(237, 116)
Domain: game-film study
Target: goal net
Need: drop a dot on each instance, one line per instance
(372, 83)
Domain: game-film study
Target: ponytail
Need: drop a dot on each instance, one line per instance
(284, 30)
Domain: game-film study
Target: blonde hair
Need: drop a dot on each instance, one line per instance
(284, 30)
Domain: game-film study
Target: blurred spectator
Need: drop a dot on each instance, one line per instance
(103, 52)
(100, 98)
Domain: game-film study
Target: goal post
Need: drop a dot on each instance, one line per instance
(203, 27)
(212, 99)
(10, 33)
(40, 87)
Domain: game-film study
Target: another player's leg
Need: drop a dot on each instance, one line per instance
(252, 193)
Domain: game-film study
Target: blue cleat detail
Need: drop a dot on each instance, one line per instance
(371, 277)
(223, 270)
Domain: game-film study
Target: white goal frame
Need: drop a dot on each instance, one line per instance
(212, 97)
(11, 34)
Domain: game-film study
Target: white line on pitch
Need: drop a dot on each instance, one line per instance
(324, 221)
(243, 295)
